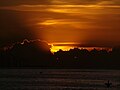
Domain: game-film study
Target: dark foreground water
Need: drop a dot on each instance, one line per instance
(58, 79)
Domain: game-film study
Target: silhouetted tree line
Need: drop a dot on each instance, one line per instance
(36, 54)
(95, 59)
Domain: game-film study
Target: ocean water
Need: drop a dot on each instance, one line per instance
(58, 79)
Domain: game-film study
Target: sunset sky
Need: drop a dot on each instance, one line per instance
(85, 22)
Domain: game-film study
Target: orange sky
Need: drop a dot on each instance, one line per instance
(90, 22)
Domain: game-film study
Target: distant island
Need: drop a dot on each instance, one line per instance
(37, 54)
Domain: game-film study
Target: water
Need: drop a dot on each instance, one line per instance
(58, 79)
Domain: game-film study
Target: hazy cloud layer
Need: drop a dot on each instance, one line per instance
(57, 2)
(84, 21)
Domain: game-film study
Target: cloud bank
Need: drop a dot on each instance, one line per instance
(93, 22)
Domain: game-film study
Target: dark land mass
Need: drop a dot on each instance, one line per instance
(36, 54)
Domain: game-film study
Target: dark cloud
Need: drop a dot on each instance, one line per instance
(27, 53)
(21, 2)
(38, 44)
(12, 28)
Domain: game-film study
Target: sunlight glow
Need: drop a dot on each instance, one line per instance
(64, 22)
(57, 48)
(48, 22)
(66, 46)
(61, 46)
